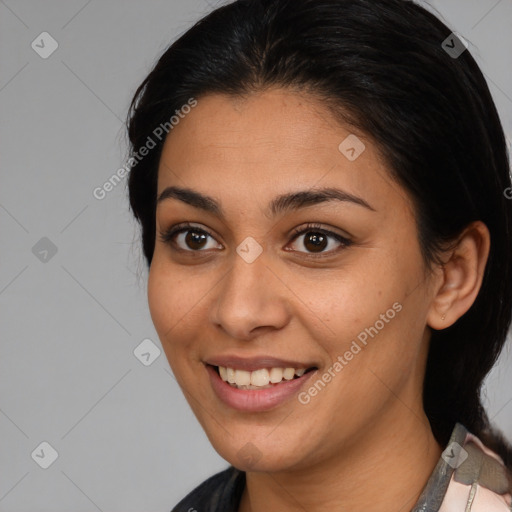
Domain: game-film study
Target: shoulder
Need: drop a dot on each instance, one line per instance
(480, 478)
(220, 492)
(469, 476)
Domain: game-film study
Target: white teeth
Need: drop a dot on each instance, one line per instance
(259, 379)
(276, 375)
(289, 373)
(243, 378)
(231, 375)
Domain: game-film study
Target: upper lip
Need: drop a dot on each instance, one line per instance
(251, 364)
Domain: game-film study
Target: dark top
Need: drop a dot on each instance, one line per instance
(468, 476)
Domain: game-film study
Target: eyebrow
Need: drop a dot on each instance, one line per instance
(280, 204)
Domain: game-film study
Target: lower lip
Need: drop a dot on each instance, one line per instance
(255, 400)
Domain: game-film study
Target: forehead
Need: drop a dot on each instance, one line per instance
(269, 142)
(274, 119)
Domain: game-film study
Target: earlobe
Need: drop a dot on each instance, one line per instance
(461, 277)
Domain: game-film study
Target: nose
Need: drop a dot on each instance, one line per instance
(249, 300)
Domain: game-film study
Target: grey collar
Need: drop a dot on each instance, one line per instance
(434, 492)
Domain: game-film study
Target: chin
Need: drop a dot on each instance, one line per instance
(260, 456)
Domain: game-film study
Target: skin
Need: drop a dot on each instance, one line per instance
(364, 442)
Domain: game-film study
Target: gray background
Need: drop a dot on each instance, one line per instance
(125, 437)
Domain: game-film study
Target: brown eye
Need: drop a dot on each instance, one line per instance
(189, 238)
(195, 239)
(317, 240)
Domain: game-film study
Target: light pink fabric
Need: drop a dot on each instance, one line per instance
(475, 498)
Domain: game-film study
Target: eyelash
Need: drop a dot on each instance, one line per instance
(167, 237)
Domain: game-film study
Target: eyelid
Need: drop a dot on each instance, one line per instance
(316, 226)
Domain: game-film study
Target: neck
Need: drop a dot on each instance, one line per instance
(386, 468)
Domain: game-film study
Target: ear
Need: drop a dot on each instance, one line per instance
(460, 277)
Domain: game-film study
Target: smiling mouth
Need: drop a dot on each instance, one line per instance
(263, 378)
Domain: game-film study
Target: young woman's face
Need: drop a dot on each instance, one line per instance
(239, 288)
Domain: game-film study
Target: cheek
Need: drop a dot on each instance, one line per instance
(159, 300)
(368, 317)
(177, 307)
(168, 299)
(342, 307)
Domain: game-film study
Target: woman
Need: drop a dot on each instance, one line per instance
(320, 186)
